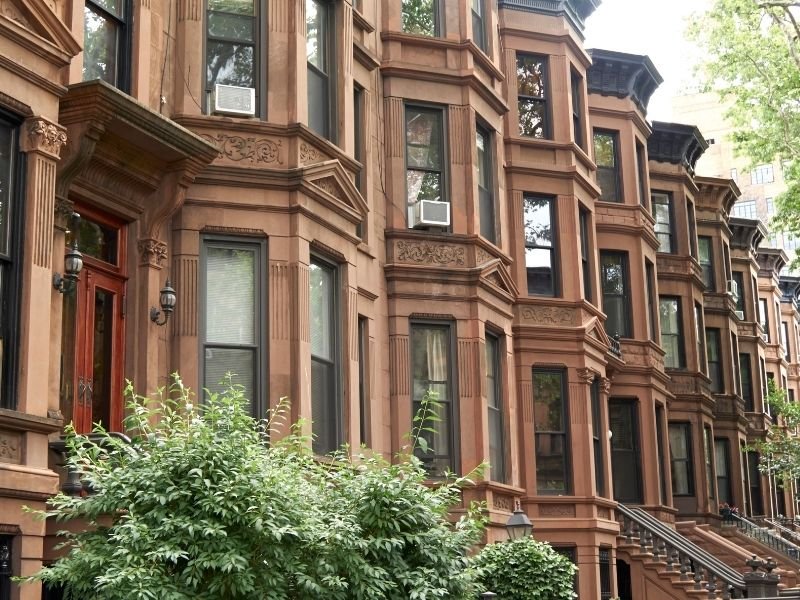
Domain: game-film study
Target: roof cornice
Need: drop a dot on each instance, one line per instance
(575, 11)
(623, 75)
(676, 143)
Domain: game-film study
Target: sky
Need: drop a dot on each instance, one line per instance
(654, 28)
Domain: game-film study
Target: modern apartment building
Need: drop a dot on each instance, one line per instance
(352, 203)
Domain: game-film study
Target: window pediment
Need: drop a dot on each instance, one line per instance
(328, 183)
(34, 24)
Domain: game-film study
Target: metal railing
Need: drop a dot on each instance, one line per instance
(682, 557)
(785, 532)
(764, 536)
(616, 347)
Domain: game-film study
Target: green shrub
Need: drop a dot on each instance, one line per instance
(525, 569)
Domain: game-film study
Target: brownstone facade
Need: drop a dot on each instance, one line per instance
(470, 203)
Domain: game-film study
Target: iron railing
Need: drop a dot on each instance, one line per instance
(764, 536)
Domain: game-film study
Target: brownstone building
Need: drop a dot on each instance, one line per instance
(350, 203)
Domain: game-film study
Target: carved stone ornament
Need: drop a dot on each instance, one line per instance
(547, 315)
(503, 502)
(605, 385)
(586, 375)
(330, 185)
(308, 153)
(10, 451)
(557, 510)
(482, 256)
(45, 136)
(247, 149)
(152, 253)
(424, 253)
(8, 10)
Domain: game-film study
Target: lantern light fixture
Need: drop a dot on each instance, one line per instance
(73, 261)
(167, 298)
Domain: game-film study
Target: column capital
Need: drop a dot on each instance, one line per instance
(586, 375)
(44, 136)
(152, 253)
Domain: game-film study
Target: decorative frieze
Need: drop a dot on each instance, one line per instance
(252, 150)
(308, 153)
(557, 510)
(503, 502)
(424, 253)
(552, 316)
(152, 253)
(10, 447)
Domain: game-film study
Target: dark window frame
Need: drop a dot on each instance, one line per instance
(453, 409)
(336, 363)
(615, 170)
(763, 317)
(687, 462)
(631, 412)
(664, 198)
(328, 74)
(584, 217)
(785, 340)
(564, 433)
(577, 102)
(711, 472)
(692, 218)
(722, 453)
(662, 472)
(652, 311)
(738, 277)
(700, 335)
(480, 32)
(260, 400)
(498, 473)
(597, 438)
(641, 171)
(707, 267)
(486, 196)
(553, 248)
(680, 335)
(543, 100)
(443, 171)
(437, 17)
(364, 383)
(124, 49)
(715, 367)
(627, 325)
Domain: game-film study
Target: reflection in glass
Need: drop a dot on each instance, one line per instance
(539, 247)
(531, 96)
(419, 17)
(101, 45)
(680, 456)
(424, 144)
(669, 312)
(549, 417)
(605, 156)
(662, 211)
(230, 48)
(614, 282)
(101, 364)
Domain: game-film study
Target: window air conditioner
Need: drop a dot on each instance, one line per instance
(733, 288)
(740, 315)
(765, 337)
(234, 100)
(430, 213)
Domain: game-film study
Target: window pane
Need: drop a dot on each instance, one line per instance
(230, 64)
(95, 240)
(316, 35)
(481, 143)
(239, 361)
(423, 185)
(239, 7)
(540, 274)
(7, 150)
(419, 17)
(538, 221)
(323, 407)
(548, 402)
(230, 295)
(101, 47)
(318, 102)
(532, 117)
(605, 150)
(115, 7)
(321, 290)
(530, 76)
(232, 27)
(608, 181)
(679, 449)
(424, 138)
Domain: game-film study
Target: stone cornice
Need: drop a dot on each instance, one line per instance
(676, 143)
(623, 75)
(575, 11)
(716, 193)
(790, 288)
(770, 262)
(746, 234)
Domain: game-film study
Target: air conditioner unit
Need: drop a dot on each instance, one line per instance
(765, 337)
(430, 213)
(733, 288)
(740, 315)
(234, 100)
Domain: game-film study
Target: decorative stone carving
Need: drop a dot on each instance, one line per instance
(248, 149)
(44, 136)
(482, 256)
(10, 447)
(308, 153)
(8, 10)
(547, 315)
(603, 513)
(331, 186)
(503, 502)
(152, 253)
(605, 385)
(557, 510)
(428, 254)
(586, 375)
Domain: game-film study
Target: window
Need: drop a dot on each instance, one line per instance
(550, 424)
(738, 278)
(754, 477)
(606, 156)
(358, 134)
(692, 229)
(534, 118)
(763, 317)
(672, 332)
(715, 360)
(479, 25)
(709, 452)
(652, 316)
(778, 331)
(363, 380)
(597, 439)
(424, 155)
(737, 373)
(421, 17)
(764, 388)
(605, 574)
(11, 205)
(706, 259)
(722, 462)
(770, 207)
(625, 450)
(586, 266)
(494, 401)
(734, 174)
(576, 85)
(6, 560)
(641, 171)
(745, 209)
(662, 476)
(327, 411)
(762, 174)
(785, 340)
(747, 381)
(680, 451)
(484, 141)
(616, 292)
(106, 41)
(432, 371)
(232, 323)
(699, 336)
(321, 61)
(231, 57)
(662, 210)
(540, 245)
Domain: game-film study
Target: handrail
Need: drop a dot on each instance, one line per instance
(764, 536)
(784, 531)
(681, 555)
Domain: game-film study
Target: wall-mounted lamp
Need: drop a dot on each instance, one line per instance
(167, 298)
(518, 525)
(73, 261)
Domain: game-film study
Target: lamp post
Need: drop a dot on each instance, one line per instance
(518, 525)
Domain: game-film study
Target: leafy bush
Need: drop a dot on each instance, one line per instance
(201, 506)
(525, 569)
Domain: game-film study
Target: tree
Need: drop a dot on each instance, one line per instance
(200, 505)
(753, 61)
(780, 449)
(525, 569)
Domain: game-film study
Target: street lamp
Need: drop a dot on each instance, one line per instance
(167, 298)
(518, 525)
(73, 262)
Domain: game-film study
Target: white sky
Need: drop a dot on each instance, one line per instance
(655, 28)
